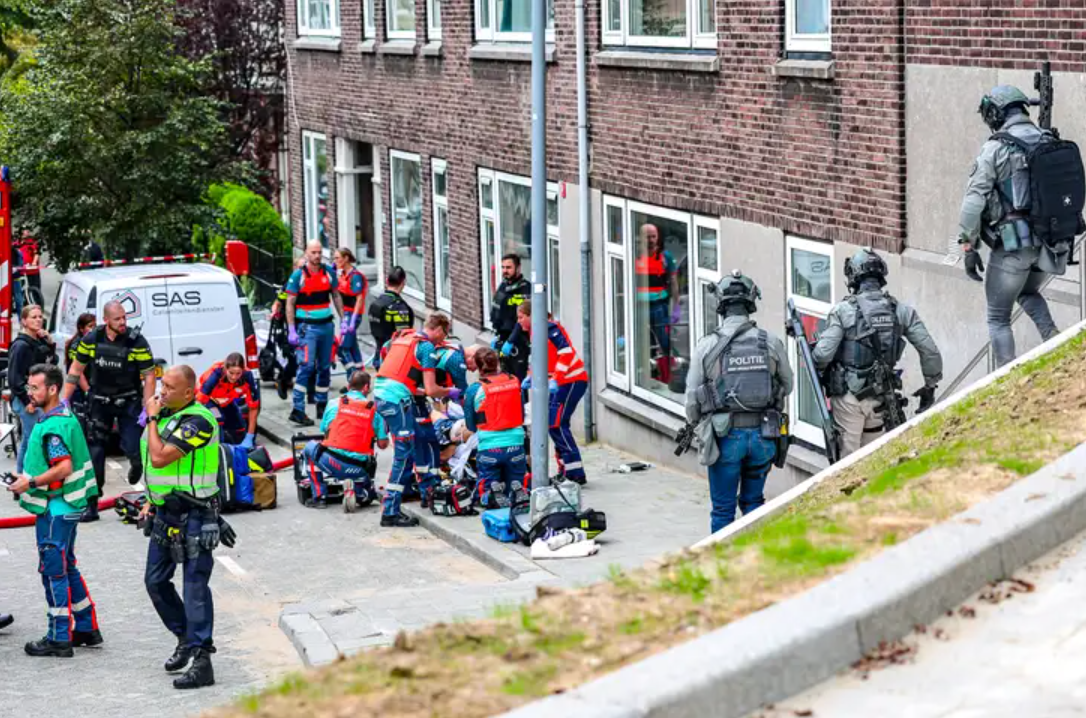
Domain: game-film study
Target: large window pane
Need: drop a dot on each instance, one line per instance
(515, 15)
(401, 17)
(706, 21)
(315, 187)
(614, 15)
(318, 14)
(707, 244)
(407, 219)
(808, 400)
(658, 18)
(709, 317)
(515, 219)
(443, 253)
(614, 225)
(812, 17)
(618, 315)
(661, 290)
(811, 275)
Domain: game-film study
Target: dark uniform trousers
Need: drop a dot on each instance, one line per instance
(193, 618)
(103, 411)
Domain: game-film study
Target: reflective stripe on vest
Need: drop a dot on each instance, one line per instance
(402, 362)
(195, 473)
(502, 407)
(352, 429)
(651, 273)
(316, 290)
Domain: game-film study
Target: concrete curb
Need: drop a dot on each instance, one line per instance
(790, 646)
(309, 639)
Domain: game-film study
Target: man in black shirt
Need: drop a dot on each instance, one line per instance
(122, 380)
(510, 294)
(389, 313)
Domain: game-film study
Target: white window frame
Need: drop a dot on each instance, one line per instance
(491, 34)
(433, 29)
(310, 181)
(410, 157)
(303, 21)
(695, 38)
(702, 276)
(810, 433)
(621, 379)
(806, 42)
(439, 202)
(493, 215)
(397, 34)
(369, 24)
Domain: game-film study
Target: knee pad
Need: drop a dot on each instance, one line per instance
(53, 562)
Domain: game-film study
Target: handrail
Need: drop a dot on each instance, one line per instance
(969, 367)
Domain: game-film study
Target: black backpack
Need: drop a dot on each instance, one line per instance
(1057, 187)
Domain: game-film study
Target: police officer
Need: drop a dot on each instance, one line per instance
(510, 294)
(122, 369)
(57, 486)
(181, 448)
(311, 293)
(995, 210)
(352, 428)
(738, 382)
(864, 329)
(389, 313)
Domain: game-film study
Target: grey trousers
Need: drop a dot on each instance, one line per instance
(1014, 276)
(857, 421)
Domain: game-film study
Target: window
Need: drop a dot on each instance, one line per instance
(810, 285)
(406, 191)
(315, 186)
(807, 25)
(660, 23)
(505, 215)
(508, 20)
(659, 267)
(369, 24)
(442, 276)
(433, 19)
(318, 17)
(401, 19)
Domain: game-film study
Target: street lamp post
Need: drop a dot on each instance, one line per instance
(539, 393)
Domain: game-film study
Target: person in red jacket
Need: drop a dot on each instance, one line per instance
(31, 255)
(230, 388)
(568, 381)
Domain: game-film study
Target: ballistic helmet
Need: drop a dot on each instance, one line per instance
(737, 288)
(862, 265)
(995, 105)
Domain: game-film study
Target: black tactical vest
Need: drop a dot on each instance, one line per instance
(113, 374)
(875, 335)
(746, 378)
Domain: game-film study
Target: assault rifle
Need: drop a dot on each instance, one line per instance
(1042, 82)
(794, 328)
(885, 383)
(684, 440)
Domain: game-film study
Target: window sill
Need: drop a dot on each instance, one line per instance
(432, 49)
(320, 44)
(806, 69)
(368, 47)
(651, 416)
(397, 47)
(507, 51)
(647, 60)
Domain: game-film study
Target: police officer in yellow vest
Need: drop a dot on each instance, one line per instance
(58, 483)
(181, 456)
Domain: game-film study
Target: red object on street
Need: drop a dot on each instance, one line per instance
(14, 522)
(5, 259)
(145, 260)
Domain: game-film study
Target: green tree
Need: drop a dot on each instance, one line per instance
(109, 133)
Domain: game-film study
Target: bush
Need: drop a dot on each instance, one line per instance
(246, 216)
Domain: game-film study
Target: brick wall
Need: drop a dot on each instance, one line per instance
(823, 159)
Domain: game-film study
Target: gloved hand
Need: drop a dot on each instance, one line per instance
(526, 384)
(227, 535)
(552, 386)
(292, 337)
(209, 536)
(494, 343)
(454, 395)
(142, 420)
(247, 442)
(676, 314)
(927, 398)
(974, 265)
(507, 349)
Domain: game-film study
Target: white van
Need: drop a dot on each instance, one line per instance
(191, 314)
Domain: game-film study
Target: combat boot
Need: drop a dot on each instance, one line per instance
(44, 647)
(199, 674)
(6, 619)
(135, 471)
(179, 659)
(299, 418)
(399, 521)
(90, 513)
(87, 638)
(321, 406)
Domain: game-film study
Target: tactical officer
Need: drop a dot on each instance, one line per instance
(57, 486)
(122, 381)
(389, 313)
(311, 293)
(862, 342)
(997, 210)
(738, 382)
(181, 447)
(510, 294)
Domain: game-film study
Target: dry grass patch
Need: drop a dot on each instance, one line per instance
(564, 638)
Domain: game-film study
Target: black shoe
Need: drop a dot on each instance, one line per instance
(90, 513)
(282, 387)
(321, 406)
(135, 473)
(400, 521)
(317, 503)
(579, 480)
(87, 638)
(44, 647)
(179, 659)
(299, 418)
(199, 674)
(6, 619)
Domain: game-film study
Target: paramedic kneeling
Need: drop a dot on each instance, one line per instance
(230, 389)
(493, 407)
(352, 427)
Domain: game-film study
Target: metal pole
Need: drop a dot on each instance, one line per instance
(540, 392)
(583, 220)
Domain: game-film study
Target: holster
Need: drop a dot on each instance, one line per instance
(169, 533)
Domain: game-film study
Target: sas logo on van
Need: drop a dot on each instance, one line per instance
(169, 300)
(130, 302)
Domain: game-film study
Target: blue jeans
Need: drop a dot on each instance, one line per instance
(745, 460)
(504, 465)
(65, 590)
(192, 620)
(400, 418)
(562, 405)
(233, 424)
(427, 450)
(314, 359)
(325, 463)
(350, 354)
(27, 421)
